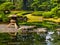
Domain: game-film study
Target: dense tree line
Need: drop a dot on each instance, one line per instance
(36, 5)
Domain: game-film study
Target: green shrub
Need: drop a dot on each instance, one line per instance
(3, 17)
(55, 11)
(58, 13)
(5, 20)
(47, 15)
(6, 5)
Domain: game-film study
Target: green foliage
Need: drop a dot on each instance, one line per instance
(54, 10)
(58, 13)
(37, 13)
(1, 13)
(6, 5)
(1, 1)
(5, 19)
(19, 4)
(50, 25)
(33, 4)
(47, 15)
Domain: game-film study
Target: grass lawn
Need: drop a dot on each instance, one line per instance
(34, 18)
(52, 19)
(40, 18)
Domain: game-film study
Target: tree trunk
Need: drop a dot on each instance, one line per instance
(25, 4)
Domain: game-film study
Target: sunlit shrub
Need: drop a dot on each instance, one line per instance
(47, 15)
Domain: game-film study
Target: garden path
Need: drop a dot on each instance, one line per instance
(11, 29)
(5, 29)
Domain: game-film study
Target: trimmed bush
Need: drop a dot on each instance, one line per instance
(47, 15)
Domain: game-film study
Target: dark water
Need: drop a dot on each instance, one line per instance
(25, 39)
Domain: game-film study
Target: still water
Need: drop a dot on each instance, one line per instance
(30, 39)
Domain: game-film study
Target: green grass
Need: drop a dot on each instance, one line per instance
(40, 18)
(34, 18)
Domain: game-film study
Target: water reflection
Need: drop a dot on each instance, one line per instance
(27, 39)
(49, 43)
(49, 38)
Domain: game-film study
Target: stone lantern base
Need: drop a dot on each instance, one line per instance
(12, 23)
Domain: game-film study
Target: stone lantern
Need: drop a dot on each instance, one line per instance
(13, 20)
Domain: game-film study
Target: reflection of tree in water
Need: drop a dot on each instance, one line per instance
(49, 43)
(49, 38)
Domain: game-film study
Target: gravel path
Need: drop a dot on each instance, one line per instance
(5, 29)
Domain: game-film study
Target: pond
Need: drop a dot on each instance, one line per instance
(27, 39)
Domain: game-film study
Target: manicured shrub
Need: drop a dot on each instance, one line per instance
(47, 15)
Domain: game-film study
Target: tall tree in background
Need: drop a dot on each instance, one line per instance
(25, 4)
(33, 4)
